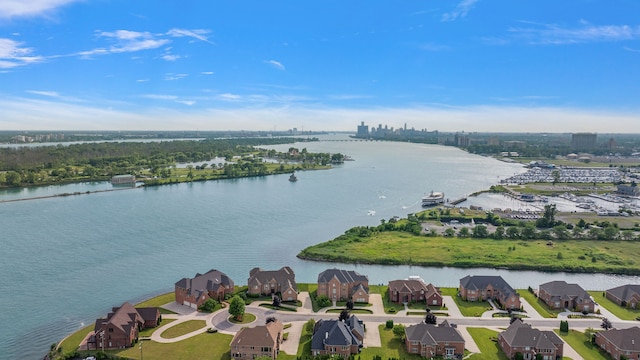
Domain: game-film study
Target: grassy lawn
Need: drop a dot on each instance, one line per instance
(354, 311)
(467, 308)
(396, 247)
(304, 349)
(158, 301)
(280, 308)
(392, 347)
(579, 342)
(537, 304)
(203, 346)
(489, 349)
(183, 328)
(617, 310)
(149, 331)
(71, 343)
(246, 319)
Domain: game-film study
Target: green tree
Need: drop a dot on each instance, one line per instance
(513, 232)
(449, 232)
(480, 232)
(560, 232)
(464, 232)
(236, 307)
(209, 305)
(398, 330)
(499, 233)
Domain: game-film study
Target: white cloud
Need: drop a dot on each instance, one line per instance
(229, 97)
(170, 57)
(198, 34)
(461, 10)
(53, 94)
(14, 54)
(32, 114)
(631, 49)
(142, 80)
(159, 97)
(207, 73)
(16, 8)
(132, 41)
(276, 64)
(552, 34)
(173, 77)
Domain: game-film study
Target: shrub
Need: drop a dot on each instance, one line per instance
(389, 324)
(323, 301)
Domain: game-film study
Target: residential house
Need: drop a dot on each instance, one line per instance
(483, 288)
(531, 343)
(283, 282)
(428, 340)
(625, 295)
(414, 290)
(194, 292)
(258, 342)
(335, 337)
(121, 326)
(341, 285)
(620, 342)
(560, 295)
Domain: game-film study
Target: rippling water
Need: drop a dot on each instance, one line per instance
(68, 260)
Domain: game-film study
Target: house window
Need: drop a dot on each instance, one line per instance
(435, 302)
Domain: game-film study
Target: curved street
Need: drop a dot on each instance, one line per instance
(219, 320)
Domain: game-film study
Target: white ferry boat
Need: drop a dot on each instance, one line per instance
(434, 198)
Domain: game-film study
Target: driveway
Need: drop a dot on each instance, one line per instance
(452, 308)
(376, 304)
(290, 346)
(530, 310)
(372, 335)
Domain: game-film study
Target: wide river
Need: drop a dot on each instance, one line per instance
(68, 260)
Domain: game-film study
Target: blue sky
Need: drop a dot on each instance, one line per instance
(469, 65)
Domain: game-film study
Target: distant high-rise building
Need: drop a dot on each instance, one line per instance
(583, 141)
(363, 130)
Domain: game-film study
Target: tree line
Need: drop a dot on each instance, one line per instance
(28, 166)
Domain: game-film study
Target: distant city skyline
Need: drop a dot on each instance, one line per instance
(465, 65)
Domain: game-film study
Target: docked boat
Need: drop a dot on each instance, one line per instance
(293, 177)
(434, 198)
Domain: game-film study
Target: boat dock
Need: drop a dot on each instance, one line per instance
(458, 201)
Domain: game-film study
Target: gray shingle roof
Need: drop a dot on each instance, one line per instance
(624, 339)
(344, 276)
(625, 292)
(519, 334)
(284, 275)
(479, 282)
(430, 334)
(334, 333)
(211, 280)
(560, 288)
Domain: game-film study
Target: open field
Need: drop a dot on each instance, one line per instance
(183, 328)
(203, 346)
(395, 247)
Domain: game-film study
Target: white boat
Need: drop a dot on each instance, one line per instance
(434, 198)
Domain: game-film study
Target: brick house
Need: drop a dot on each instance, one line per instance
(522, 338)
(625, 295)
(560, 295)
(620, 342)
(259, 341)
(283, 282)
(414, 290)
(121, 326)
(341, 285)
(335, 337)
(195, 291)
(483, 288)
(428, 340)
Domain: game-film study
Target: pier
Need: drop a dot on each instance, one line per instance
(458, 201)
